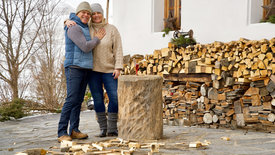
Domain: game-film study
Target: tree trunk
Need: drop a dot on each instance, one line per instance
(14, 84)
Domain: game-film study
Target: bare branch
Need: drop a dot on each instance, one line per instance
(20, 25)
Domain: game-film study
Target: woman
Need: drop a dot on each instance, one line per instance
(108, 62)
(78, 65)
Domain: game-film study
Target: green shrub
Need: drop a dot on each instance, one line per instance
(58, 111)
(166, 31)
(182, 41)
(12, 109)
(271, 19)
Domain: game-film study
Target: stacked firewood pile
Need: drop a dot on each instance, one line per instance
(220, 84)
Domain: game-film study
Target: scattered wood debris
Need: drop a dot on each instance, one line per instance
(199, 144)
(33, 152)
(110, 147)
(225, 138)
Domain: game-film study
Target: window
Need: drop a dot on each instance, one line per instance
(260, 10)
(172, 14)
(268, 8)
(265, 3)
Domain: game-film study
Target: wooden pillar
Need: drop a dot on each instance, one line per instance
(140, 107)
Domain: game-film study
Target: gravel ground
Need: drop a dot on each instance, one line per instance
(41, 132)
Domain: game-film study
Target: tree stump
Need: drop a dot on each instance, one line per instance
(140, 107)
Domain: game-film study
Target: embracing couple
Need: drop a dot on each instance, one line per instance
(93, 57)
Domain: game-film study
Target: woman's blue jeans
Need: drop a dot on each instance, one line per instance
(96, 82)
(76, 80)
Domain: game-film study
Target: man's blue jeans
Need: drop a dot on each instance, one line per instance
(96, 82)
(76, 80)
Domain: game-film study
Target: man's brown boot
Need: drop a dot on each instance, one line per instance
(64, 137)
(78, 135)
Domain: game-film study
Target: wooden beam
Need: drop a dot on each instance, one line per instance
(188, 77)
(177, 13)
(107, 11)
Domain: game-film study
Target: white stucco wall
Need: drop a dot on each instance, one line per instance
(211, 20)
(133, 19)
(225, 20)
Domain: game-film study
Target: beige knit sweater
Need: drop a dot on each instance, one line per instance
(107, 55)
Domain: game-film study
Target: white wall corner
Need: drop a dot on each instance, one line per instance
(152, 15)
(248, 12)
(157, 15)
(254, 11)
